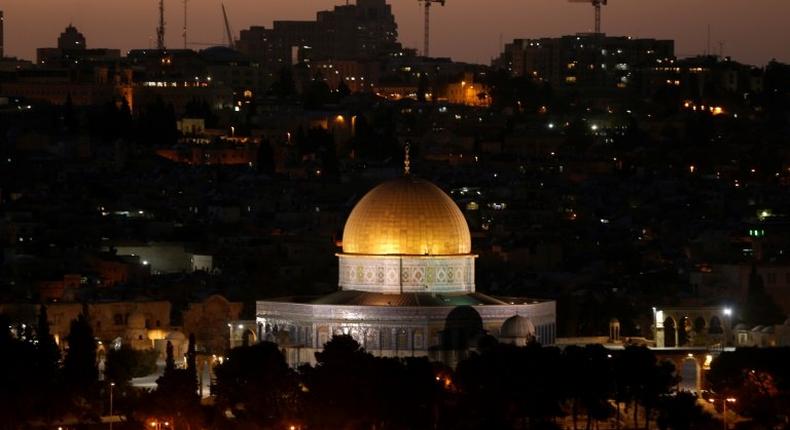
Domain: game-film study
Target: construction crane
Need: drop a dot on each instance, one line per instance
(227, 27)
(160, 30)
(427, 42)
(597, 5)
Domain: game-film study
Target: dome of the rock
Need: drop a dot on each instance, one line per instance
(406, 216)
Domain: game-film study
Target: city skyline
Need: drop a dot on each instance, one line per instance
(743, 31)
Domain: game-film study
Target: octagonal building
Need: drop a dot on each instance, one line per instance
(406, 285)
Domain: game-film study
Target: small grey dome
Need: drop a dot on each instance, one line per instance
(176, 336)
(517, 327)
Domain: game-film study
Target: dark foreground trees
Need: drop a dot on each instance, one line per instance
(257, 385)
(683, 412)
(499, 386)
(35, 384)
(759, 380)
(350, 387)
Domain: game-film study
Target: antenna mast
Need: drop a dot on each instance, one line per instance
(185, 24)
(160, 31)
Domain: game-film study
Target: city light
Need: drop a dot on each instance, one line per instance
(393, 191)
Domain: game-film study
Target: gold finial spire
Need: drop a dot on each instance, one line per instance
(406, 161)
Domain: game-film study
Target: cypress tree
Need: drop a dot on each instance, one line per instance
(170, 363)
(48, 351)
(192, 360)
(79, 366)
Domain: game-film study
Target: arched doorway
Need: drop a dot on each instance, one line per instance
(699, 332)
(715, 326)
(684, 329)
(670, 333)
(248, 337)
(689, 372)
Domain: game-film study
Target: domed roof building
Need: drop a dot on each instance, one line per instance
(406, 235)
(517, 330)
(406, 216)
(406, 284)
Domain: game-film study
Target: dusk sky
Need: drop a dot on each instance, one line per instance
(752, 31)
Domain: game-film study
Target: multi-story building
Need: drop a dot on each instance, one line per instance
(72, 49)
(358, 75)
(365, 30)
(591, 60)
(84, 87)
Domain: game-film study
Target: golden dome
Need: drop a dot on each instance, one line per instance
(406, 216)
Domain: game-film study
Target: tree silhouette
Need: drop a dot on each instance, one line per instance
(317, 93)
(192, 369)
(341, 386)
(170, 362)
(683, 412)
(47, 377)
(79, 366)
(256, 383)
(48, 351)
(589, 382)
(760, 380)
(642, 379)
(125, 363)
(17, 394)
(507, 386)
(760, 308)
(156, 123)
(176, 394)
(343, 90)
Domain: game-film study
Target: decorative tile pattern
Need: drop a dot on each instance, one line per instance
(394, 274)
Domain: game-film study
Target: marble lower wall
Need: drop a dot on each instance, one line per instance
(438, 332)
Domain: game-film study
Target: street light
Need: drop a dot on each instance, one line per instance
(157, 424)
(724, 401)
(655, 326)
(230, 335)
(724, 410)
(112, 385)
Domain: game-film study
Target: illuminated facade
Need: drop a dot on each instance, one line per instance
(142, 325)
(584, 60)
(468, 92)
(406, 285)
